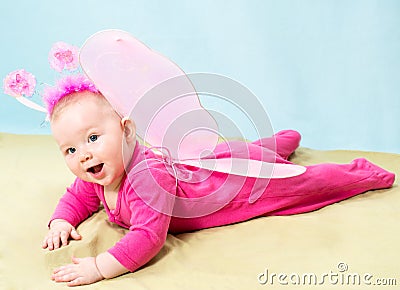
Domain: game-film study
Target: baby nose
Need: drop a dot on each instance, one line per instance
(85, 156)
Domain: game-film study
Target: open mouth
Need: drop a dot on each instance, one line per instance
(96, 169)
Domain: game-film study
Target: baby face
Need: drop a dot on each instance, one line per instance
(90, 135)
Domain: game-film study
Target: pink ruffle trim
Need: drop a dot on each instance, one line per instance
(65, 86)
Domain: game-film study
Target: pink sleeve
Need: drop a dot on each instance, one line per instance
(149, 227)
(79, 202)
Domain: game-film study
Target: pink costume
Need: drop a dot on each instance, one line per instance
(319, 186)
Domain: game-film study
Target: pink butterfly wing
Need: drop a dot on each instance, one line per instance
(152, 90)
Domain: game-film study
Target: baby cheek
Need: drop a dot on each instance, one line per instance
(72, 165)
(115, 149)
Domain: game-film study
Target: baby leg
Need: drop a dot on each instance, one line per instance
(325, 184)
(319, 186)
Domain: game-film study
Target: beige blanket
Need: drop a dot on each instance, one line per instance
(352, 242)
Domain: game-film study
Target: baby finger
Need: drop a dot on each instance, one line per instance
(44, 243)
(64, 238)
(56, 240)
(50, 244)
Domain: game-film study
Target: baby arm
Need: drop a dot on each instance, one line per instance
(79, 201)
(144, 240)
(135, 249)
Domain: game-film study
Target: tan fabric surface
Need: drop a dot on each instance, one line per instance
(362, 232)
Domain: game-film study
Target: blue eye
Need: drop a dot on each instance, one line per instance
(71, 150)
(93, 138)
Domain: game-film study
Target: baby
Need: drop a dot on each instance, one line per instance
(100, 148)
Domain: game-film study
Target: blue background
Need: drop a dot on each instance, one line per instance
(329, 69)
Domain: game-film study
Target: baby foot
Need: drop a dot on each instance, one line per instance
(287, 141)
(284, 143)
(385, 179)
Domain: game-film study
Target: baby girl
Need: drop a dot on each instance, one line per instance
(111, 168)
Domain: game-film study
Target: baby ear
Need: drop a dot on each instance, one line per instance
(129, 128)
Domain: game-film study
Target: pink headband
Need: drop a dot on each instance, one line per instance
(62, 56)
(65, 86)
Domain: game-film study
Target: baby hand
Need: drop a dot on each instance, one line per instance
(81, 272)
(60, 230)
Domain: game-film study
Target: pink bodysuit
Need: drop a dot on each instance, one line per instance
(145, 188)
